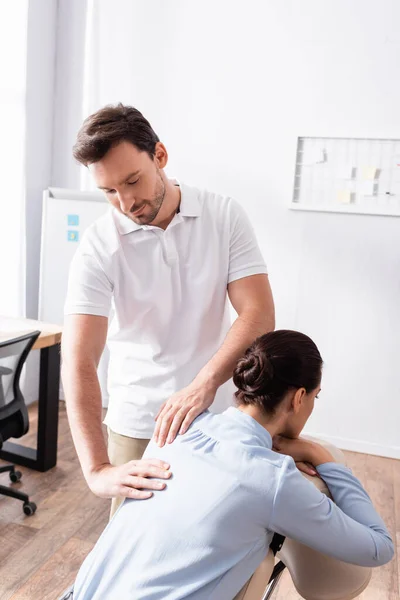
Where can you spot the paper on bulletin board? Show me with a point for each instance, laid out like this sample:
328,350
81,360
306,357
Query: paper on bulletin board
346,171
313,156
369,173
367,188
344,196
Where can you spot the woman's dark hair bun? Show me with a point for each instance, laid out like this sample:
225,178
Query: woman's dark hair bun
253,373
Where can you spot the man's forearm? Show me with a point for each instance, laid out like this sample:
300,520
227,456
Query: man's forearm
245,329
84,408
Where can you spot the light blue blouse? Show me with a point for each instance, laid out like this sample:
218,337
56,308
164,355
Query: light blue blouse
204,536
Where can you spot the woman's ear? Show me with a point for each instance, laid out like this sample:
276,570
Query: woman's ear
298,399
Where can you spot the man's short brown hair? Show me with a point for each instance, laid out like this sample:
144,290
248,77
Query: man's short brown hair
108,127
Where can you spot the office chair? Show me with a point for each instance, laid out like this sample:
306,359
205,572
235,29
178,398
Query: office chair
14,421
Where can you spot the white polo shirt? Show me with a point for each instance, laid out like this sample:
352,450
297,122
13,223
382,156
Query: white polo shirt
168,292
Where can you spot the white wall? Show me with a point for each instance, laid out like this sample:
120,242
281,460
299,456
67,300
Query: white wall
53,115
13,34
42,43
68,91
229,86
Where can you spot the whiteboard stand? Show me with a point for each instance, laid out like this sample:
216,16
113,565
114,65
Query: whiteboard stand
66,216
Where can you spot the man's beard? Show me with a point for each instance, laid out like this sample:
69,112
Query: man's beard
155,205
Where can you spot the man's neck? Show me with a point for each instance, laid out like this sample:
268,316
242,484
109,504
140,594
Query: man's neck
170,205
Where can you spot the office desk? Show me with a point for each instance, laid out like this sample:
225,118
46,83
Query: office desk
44,456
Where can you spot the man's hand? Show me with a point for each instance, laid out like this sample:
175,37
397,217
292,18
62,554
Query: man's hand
302,451
180,410
131,480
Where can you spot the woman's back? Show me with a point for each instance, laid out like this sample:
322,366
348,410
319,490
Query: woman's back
204,536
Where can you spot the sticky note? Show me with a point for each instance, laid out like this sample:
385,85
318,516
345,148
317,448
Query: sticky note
313,156
73,236
367,188
73,220
369,172
346,172
344,196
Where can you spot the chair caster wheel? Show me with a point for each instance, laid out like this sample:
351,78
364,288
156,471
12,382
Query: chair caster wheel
29,508
15,476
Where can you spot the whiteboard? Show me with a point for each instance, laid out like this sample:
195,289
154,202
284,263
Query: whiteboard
66,215
348,175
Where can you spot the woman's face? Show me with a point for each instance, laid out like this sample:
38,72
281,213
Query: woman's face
302,405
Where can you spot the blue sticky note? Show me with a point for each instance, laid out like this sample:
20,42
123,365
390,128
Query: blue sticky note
73,236
73,220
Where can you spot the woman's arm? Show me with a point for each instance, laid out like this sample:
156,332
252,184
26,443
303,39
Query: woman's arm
348,529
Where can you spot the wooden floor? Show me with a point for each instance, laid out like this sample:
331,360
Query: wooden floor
40,555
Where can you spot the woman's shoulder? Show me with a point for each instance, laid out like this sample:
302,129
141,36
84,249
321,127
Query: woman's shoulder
248,448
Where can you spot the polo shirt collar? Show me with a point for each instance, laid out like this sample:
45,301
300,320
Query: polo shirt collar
123,224
190,206
190,202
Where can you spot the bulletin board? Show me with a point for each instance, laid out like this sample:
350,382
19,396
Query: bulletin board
348,175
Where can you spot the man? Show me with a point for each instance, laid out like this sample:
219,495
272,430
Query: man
165,257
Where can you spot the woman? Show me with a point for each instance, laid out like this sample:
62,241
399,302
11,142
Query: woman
234,483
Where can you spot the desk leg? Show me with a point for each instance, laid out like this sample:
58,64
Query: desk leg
44,457
49,388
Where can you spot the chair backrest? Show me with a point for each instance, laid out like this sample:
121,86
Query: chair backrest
13,412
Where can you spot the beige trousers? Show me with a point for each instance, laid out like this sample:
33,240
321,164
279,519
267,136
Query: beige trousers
122,449
315,576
